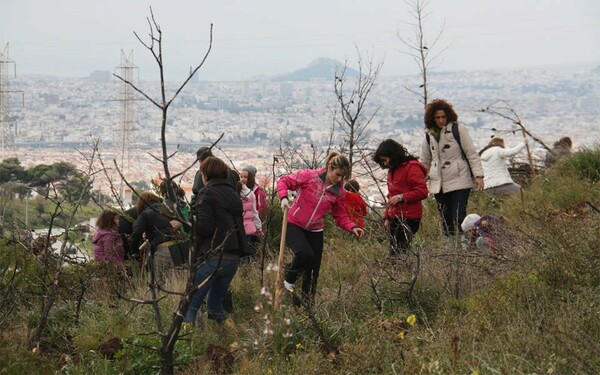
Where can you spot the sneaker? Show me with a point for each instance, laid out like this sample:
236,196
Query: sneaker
288,286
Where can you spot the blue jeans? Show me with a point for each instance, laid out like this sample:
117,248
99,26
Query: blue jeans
216,288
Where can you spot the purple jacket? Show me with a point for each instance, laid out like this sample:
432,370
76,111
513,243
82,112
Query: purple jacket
314,200
108,246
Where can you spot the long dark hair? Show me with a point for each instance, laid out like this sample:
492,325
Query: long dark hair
393,150
251,180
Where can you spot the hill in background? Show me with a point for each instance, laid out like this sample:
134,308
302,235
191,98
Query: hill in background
322,68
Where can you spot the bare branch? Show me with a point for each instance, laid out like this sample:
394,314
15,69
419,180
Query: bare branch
133,86
197,67
418,48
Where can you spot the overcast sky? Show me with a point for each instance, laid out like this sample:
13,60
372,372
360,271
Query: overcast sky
268,37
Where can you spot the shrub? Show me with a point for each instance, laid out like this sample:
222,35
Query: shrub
585,162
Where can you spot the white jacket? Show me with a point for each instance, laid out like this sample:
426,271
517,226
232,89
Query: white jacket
494,165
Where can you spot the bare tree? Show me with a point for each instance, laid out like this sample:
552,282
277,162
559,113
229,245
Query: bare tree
422,50
169,333
504,109
352,118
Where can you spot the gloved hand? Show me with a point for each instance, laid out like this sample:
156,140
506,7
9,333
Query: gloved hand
285,204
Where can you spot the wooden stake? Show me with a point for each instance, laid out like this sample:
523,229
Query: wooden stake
279,279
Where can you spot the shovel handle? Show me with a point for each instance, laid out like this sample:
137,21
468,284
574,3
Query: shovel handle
279,279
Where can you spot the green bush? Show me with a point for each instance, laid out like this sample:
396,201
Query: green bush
585,162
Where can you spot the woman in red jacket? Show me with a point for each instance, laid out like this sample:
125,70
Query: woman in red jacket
406,189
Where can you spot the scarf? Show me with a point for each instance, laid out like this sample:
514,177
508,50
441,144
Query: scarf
435,132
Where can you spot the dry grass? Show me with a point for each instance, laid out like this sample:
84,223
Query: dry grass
531,308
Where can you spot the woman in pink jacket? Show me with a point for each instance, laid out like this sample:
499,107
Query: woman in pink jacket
318,192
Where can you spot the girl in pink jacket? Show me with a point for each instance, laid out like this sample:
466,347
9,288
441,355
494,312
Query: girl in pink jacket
318,192
252,223
108,244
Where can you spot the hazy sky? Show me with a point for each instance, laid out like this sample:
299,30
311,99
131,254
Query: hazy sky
268,37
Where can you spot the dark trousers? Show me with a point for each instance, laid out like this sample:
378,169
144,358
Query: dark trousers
253,245
402,232
453,209
308,251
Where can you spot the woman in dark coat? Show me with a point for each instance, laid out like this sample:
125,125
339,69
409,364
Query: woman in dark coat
220,239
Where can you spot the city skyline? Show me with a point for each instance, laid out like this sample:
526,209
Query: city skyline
250,39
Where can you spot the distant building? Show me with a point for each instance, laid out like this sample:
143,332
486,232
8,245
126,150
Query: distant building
100,76
286,89
49,98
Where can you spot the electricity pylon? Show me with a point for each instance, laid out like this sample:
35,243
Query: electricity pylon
125,135
7,138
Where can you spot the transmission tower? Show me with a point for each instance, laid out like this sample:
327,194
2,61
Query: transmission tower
7,138
125,135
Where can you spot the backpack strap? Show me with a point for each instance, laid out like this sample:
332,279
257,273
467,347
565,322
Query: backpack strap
456,135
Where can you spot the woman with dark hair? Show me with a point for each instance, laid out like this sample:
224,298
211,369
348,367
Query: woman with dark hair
220,240
108,245
493,159
204,152
452,162
320,191
145,200
406,189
